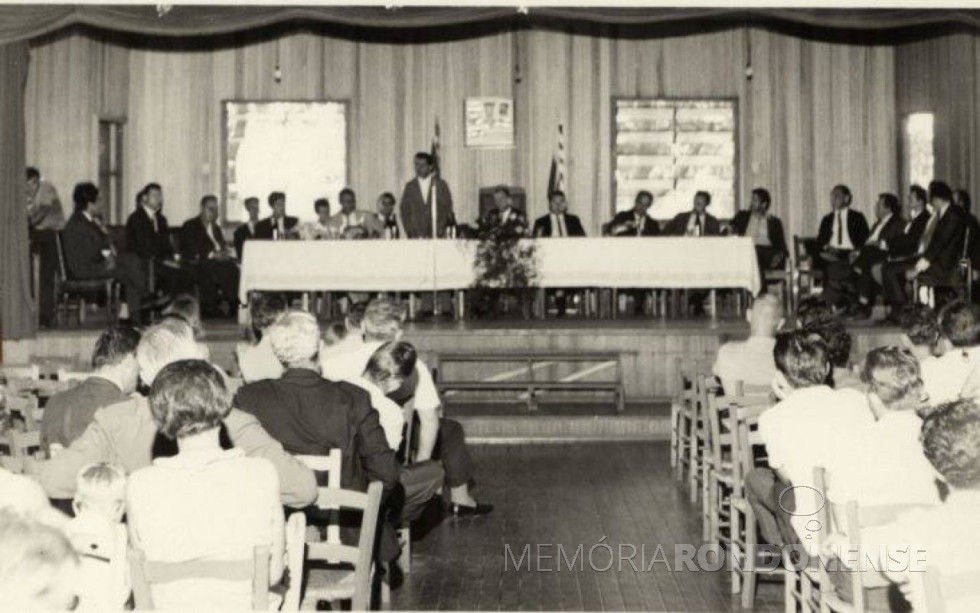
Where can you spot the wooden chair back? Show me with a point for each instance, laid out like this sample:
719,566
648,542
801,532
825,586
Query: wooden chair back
27,407
295,557
144,573
331,465
747,440
837,519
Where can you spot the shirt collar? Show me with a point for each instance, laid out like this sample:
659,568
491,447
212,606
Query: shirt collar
88,216
199,459
151,214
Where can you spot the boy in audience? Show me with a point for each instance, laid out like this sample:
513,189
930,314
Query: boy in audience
921,335
751,361
389,371
69,412
809,425
947,377
256,361
99,537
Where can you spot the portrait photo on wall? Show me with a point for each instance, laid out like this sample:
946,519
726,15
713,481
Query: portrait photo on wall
489,122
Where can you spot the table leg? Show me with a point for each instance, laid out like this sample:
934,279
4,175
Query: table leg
460,305
411,306
306,301
714,305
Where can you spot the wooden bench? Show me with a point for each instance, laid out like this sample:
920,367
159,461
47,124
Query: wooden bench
530,385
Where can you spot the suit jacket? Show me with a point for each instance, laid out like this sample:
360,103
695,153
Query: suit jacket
83,242
516,221
310,415
774,227
69,412
678,225
906,244
857,229
195,244
945,248
871,253
143,241
263,229
242,234
416,210
624,224
573,226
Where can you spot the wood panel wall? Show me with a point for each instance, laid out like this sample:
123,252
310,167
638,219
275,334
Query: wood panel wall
813,115
942,76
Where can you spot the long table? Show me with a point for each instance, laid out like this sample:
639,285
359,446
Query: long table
435,265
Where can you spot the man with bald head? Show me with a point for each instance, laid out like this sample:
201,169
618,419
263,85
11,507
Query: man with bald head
751,361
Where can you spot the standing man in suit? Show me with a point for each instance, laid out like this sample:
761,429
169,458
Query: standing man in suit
636,221
204,250
278,226
349,217
765,230
246,231
89,254
423,193
889,226
45,218
148,236
558,222
842,234
513,221
940,250
696,222
387,218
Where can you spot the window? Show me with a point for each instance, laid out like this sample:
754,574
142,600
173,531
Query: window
674,148
111,169
921,157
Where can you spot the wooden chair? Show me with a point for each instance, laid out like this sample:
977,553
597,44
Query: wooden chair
329,464
681,417
837,519
71,293
144,573
295,556
784,277
806,276
27,407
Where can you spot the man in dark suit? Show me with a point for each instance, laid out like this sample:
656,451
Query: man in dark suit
205,252
420,195
278,226
940,250
387,218
842,234
148,236
889,227
634,222
311,415
696,222
764,229
558,222
246,231
89,254
513,221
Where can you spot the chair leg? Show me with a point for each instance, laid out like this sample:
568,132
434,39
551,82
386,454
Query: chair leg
708,499
81,311
674,424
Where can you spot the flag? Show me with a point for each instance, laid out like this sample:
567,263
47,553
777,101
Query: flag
435,150
556,178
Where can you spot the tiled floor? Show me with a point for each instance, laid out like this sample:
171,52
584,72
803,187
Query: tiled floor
569,494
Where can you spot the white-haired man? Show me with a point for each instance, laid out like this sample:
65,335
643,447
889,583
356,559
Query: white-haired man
125,433
438,437
751,361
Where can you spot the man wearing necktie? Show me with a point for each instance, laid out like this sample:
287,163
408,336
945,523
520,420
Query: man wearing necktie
765,230
513,221
889,227
205,252
246,231
842,234
278,226
148,237
634,222
558,223
695,223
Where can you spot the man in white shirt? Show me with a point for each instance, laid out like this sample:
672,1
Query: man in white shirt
751,361
804,430
349,217
389,223
389,370
320,228
257,361
947,377
842,233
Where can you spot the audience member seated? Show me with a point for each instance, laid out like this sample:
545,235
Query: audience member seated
256,361
751,361
921,335
246,231
390,370
842,234
99,537
946,377
148,236
806,428
320,228
187,309
125,433
438,437
942,534
89,253
350,217
961,198
636,221
387,217
839,342
212,261
39,570
205,503
813,310
889,226
765,230
277,226
69,412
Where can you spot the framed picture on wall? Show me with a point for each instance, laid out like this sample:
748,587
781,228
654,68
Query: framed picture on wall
489,122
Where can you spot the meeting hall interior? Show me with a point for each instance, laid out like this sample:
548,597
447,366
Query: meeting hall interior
540,307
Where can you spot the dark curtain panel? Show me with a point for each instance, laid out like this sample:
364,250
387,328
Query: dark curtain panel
16,305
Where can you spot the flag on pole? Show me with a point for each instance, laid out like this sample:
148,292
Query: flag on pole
556,178
435,149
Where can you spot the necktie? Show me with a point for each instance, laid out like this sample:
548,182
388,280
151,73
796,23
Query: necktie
840,229
561,227
639,226
697,225
927,234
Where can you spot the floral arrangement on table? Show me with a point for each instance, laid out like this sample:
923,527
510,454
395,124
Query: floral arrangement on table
506,270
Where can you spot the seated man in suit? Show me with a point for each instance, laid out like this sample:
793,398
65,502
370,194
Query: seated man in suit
842,234
888,227
350,217
89,254
558,223
204,250
696,222
277,226
765,230
939,254
246,231
320,228
148,236
634,222
513,221
387,218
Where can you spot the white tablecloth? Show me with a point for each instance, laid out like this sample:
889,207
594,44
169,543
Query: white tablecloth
427,265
